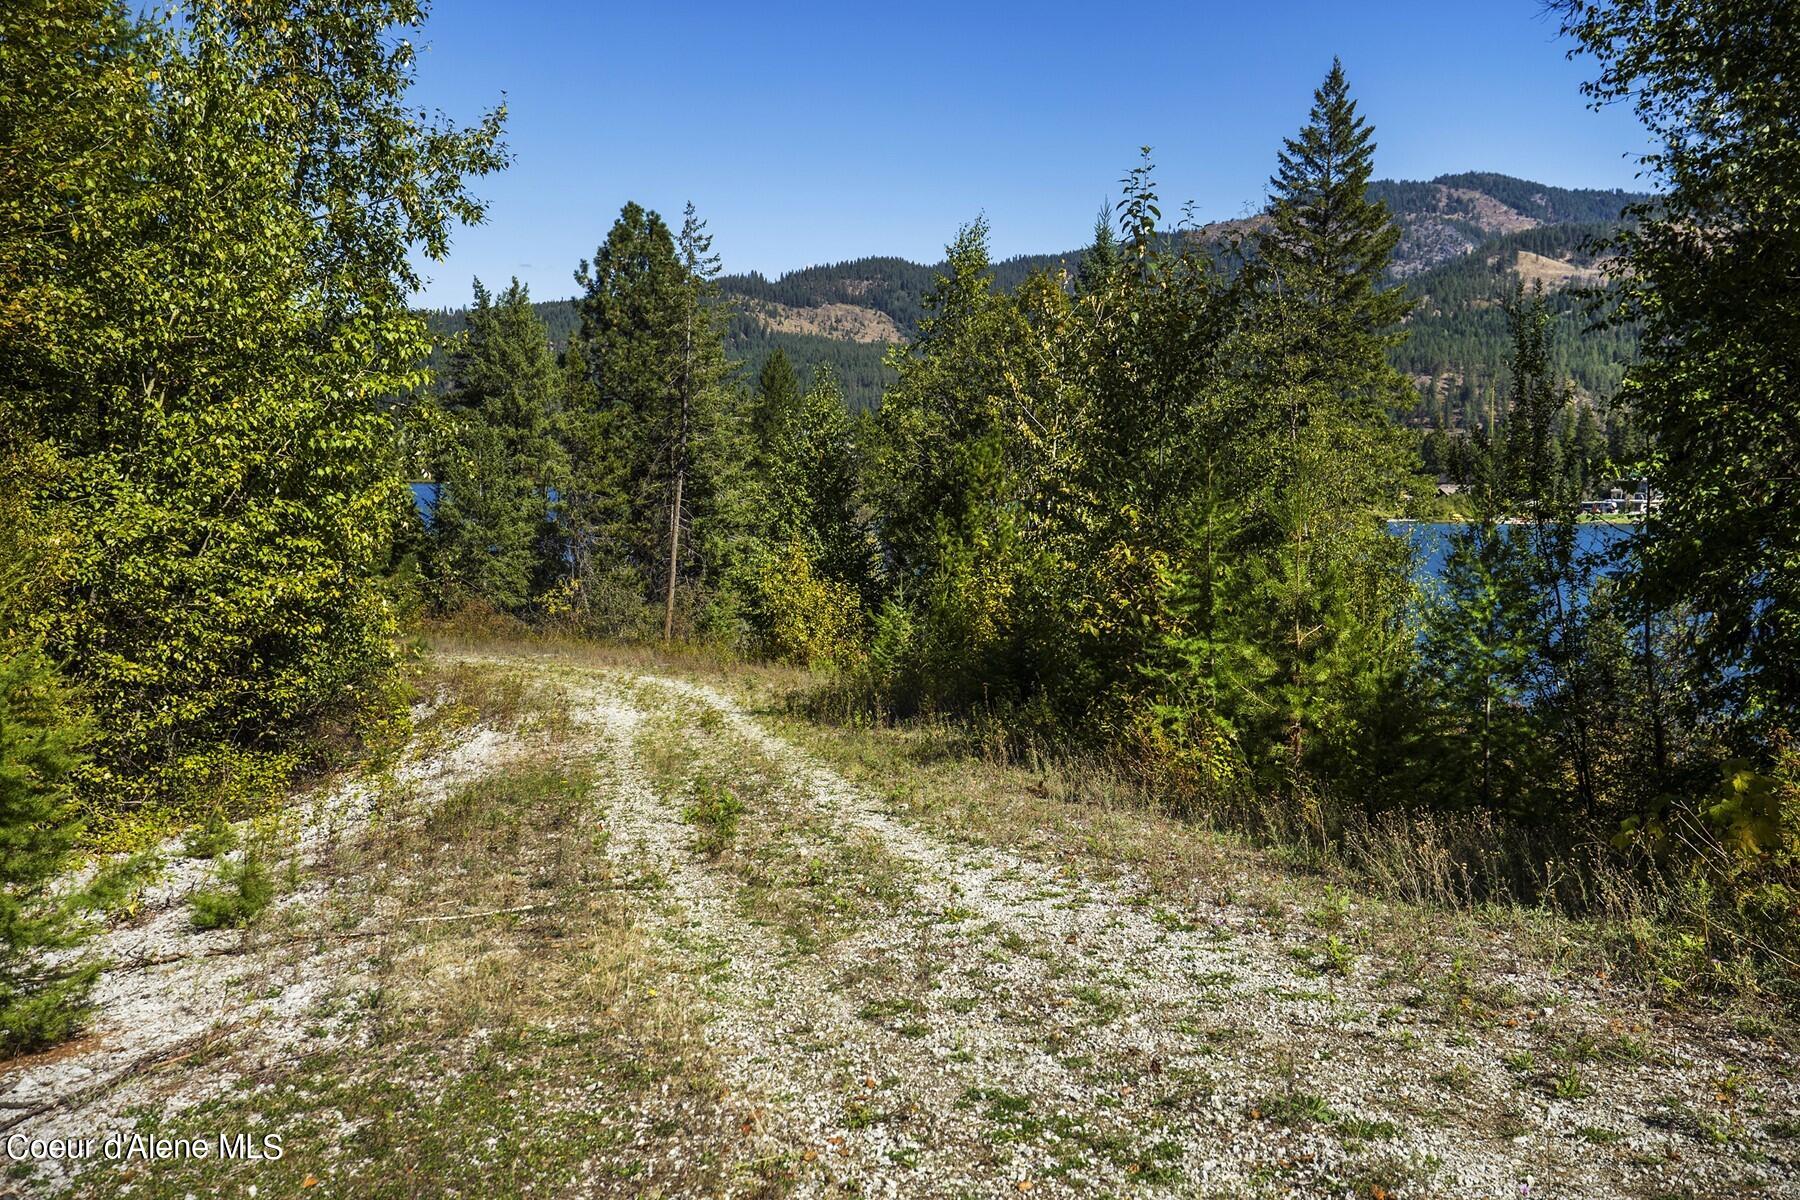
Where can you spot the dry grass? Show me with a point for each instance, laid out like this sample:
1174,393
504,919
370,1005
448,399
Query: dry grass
846,322
1435,896
1554,273
691,660
513,1030
793,871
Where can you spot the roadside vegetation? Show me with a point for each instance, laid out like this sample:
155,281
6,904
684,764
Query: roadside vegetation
530,956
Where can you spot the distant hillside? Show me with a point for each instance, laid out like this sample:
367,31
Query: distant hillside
1464,237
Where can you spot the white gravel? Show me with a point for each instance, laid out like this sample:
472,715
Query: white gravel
1123,1031
175,992
995,1024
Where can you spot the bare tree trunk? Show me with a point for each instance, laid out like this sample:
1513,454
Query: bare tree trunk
674,556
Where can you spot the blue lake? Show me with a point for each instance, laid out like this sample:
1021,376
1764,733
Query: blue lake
1433,541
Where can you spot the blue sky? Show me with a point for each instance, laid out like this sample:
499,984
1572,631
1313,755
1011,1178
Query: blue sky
812,133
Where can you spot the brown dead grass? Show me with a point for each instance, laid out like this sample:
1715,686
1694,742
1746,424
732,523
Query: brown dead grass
763,682
1553,273
1486,213
844,322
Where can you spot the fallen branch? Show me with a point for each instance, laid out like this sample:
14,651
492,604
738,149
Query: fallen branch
153,1061
492,912
244,947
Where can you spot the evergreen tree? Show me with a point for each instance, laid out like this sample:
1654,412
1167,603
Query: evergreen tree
1330,461
604,589
1480,661
777,395
658,422
814,459
631,320
40,741
940,409
1533,477
1515,658
1563,577
1325,250
1102,257
492,534
42,989
700,395
810,570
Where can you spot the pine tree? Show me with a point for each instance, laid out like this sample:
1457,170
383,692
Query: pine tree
602,589
1563,577
1517,658
491,536
1102,257
777,395
1480,668
698,381
941,406
809,573
628,340
822,502
1330,458
657,417
1533,478
1326,248
40,740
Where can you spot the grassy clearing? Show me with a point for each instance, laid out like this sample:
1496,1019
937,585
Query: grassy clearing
453,695
767,682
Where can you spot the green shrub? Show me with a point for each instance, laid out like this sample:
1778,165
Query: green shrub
802,616
714,812
214,837
244,889
190,346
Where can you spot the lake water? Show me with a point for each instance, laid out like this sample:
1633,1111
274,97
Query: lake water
1433,541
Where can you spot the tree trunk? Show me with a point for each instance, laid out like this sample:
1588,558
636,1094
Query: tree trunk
674,553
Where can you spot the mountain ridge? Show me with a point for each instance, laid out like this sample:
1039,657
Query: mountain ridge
1464,236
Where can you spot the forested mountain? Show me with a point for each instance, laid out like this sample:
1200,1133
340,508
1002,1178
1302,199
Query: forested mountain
1462,237
1458,346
